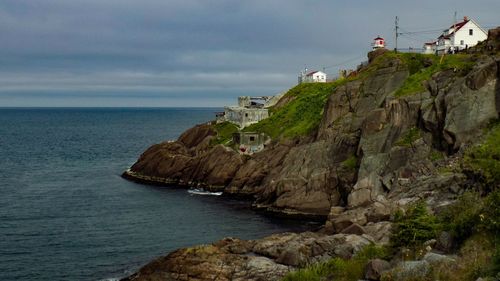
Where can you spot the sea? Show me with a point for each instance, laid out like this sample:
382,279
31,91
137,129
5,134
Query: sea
66,214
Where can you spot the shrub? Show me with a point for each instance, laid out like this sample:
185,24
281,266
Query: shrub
414,227
484,159
462,217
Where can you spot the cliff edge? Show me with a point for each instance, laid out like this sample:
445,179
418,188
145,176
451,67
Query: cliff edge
404,129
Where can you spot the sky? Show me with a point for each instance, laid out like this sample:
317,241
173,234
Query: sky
197,53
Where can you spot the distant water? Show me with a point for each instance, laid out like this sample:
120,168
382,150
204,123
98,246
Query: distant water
65,212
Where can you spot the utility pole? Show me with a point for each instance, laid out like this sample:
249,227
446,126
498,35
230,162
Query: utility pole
396,23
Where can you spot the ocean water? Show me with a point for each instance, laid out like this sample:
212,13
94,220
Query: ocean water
65,212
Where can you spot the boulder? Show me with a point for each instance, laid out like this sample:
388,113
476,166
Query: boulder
435,259
374,269
409,270
353,229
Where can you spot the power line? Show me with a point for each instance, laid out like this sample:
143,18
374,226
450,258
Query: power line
344,62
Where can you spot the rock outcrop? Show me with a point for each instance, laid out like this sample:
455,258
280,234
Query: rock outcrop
266,259
374,152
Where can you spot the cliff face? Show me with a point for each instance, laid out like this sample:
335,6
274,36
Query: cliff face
393,136
370,144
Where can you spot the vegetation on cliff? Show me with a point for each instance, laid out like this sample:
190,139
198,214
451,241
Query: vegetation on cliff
225,131
473,222
301,115
421,68
484,159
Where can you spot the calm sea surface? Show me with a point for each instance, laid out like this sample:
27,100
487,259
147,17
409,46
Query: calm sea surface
65,212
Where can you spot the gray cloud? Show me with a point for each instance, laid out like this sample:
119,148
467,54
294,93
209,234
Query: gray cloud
193,52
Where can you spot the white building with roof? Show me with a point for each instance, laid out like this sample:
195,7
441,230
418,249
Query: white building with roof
459,36
312,77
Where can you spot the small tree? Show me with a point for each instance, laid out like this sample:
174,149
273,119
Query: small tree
414,227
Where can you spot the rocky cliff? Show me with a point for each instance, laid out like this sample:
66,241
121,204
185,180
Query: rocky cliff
391,136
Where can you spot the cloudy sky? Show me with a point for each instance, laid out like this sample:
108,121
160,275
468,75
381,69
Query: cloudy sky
196,52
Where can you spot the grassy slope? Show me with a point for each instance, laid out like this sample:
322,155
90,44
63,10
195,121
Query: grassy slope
422,67
301,115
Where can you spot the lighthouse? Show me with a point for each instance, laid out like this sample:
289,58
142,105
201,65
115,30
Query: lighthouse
378,43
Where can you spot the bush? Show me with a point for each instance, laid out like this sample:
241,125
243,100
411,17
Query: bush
414,227
462,217
484,159
472,214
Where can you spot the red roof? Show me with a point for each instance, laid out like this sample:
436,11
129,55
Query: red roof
379,38
459,25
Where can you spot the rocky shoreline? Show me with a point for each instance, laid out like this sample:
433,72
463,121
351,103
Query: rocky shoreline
375,152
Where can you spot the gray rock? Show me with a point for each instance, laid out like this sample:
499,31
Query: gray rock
434,258
353,229
444,242
411,270
374,269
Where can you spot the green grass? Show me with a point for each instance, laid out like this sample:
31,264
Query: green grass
351,163
409,137
300,116
225,132
484,159
339,269
421,67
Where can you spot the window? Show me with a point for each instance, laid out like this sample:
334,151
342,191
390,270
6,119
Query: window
462,42
471,32
252,138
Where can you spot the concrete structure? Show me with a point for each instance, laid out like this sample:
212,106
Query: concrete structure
243,116
378,43
459,36
250,142
250,110
312,77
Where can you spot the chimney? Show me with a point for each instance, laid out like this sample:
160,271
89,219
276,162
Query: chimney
466,18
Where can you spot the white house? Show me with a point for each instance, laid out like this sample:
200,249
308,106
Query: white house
459,36
312,77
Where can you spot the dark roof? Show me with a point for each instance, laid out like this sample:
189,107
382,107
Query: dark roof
311,73
457,28
379,38
459,25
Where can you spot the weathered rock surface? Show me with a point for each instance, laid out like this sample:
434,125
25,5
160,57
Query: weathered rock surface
398,145
269,258
375,268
